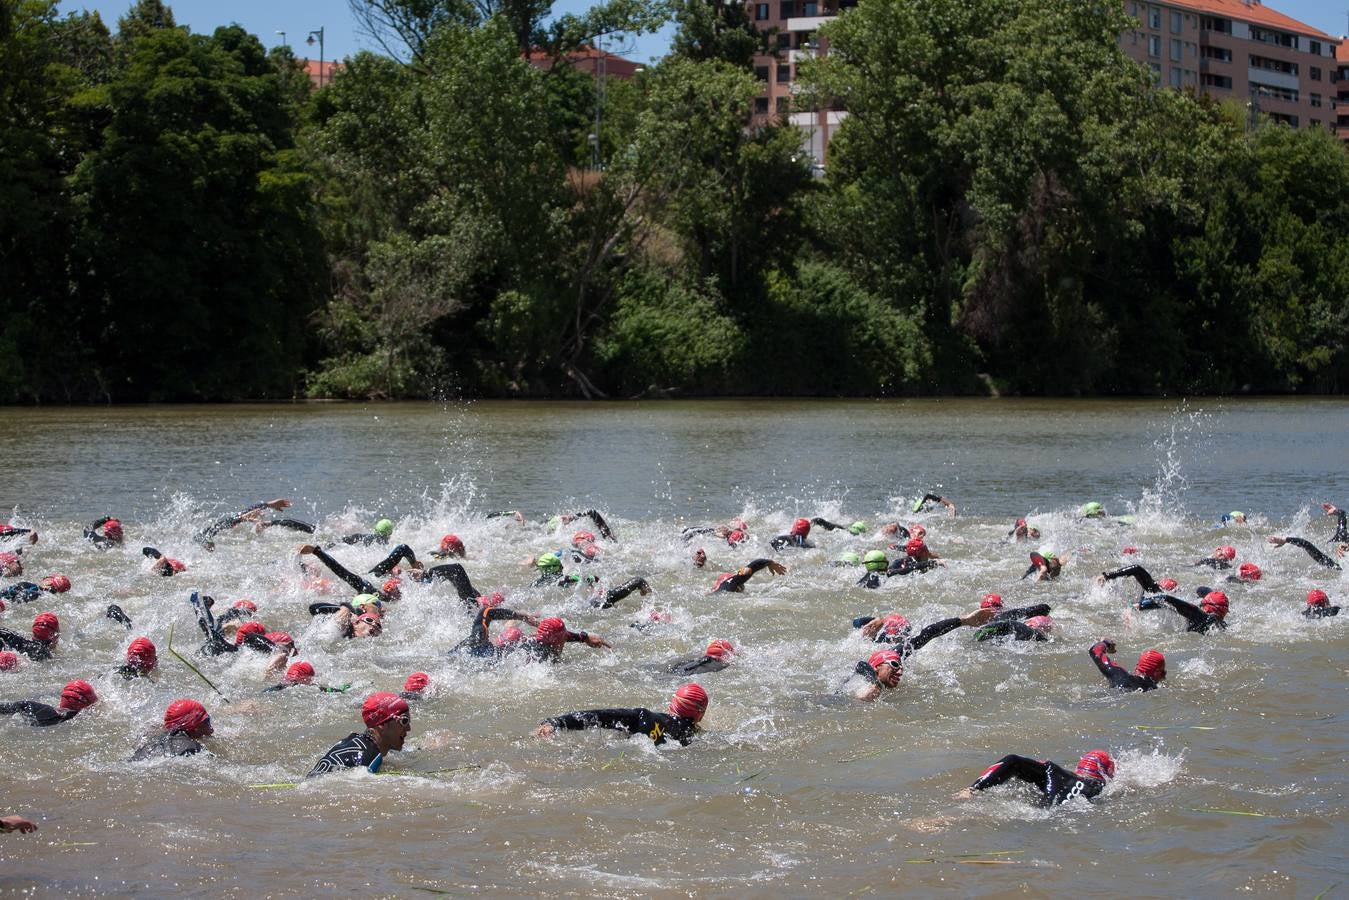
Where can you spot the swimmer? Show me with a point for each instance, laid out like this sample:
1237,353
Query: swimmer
796,537
1045,565
877,567
111,534
736,527
206,536
917,558
161,564
1055,783
716,657
361,586
607,599
186,725
919,504
884,668
1023,532
75,696
451,547
46,635
679,723
1317,556
1236,517
141,659
479,641
301,674
11,566
1034,628
383,529
734,582
27,591
1147,675
1210,612
593,515
552,635
14,532
1220,558
699,558
1341,535
416,687
1137,573
1318,605
1092,510
388,722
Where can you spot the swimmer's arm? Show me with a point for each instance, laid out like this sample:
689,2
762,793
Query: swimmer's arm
1138,573
614,595
629,720
827,525
355,581
1313,551
1098,655
1023,612
598,519
1193,614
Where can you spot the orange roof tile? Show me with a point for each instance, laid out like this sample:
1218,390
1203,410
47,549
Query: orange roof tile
1254,12
1342,50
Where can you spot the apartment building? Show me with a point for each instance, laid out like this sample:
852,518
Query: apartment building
1341,82
1239,49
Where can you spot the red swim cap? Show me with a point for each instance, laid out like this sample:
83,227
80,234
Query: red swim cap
9,660
722,579
300,673
280,638
915,547
719,649
884,657
380,707
552,632
1129,551
1317,597
177,565
450,543
46,626
1097,764
1168,584
894,623
582,537
991,601
141,655
10,559
1214,603
689,702
248,628
417,681
246,604
78,695
735,537
1151,664
1227,553
112,529
391,589
800,528
918,531
1248,571
1020,523
510,635
59,584
1040,623
590,551
487,601
186,716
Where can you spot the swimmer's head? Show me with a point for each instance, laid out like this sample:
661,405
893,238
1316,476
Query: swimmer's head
1215,604
719,649
112,530
850,558
875,561
249,628
1317,597
1248,571
858,528
9,660
46,627
1168,584
991,601
187,717
549,563
78,695
417,682
887,666
451,545
384,528
1097,764
300,673
1092,510
1042,624
1151,664
800,528
142,656
1225,553
689,702
552,632
57,584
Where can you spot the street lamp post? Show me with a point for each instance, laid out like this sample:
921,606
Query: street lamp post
283,38
310,42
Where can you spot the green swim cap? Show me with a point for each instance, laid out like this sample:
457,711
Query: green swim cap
1236,514
383,528
549,561
850,558
1092,509
361,600
554,523
918,505
1046,552
858,527
875,561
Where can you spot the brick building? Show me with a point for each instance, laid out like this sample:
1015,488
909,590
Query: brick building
1341,83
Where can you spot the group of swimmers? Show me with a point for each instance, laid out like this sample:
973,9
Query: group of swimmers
387,715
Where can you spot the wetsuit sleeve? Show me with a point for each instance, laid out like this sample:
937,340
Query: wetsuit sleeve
1341,534
930,633
996,629
34,712
598,519
360,584
1022,612
1193,614
614,595
746,572
1314,552
10,531
780,541
456,575
1137,573
292,524
827,525
1013,766
503,512
1320,612
629,720
901,531
401,553
29,647
117,614
1213,563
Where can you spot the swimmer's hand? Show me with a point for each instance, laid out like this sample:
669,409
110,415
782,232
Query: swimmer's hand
1100,580
17,823
1330,508
1276,540
1109,645
594,640
870,629
544,730
308,549
278,503
966,794
776,568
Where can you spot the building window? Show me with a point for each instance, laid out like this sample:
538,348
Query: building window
1175,49
1154,17
786,9
1223,82
1273,65
1221,54
1277,38
810,8
1216,23
1175,77
1154,46
1175,22
783,105
1314,72
761,105
784,73
1314,48
761,73
1156,70
761,12
784,43
1316,100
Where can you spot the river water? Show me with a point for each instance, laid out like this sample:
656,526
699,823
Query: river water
1231,777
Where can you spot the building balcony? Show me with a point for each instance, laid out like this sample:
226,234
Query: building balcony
808,23
1273,79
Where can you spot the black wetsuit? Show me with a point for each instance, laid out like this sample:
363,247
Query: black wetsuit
174,743
224,523
1199,621
117,614
359,584
696,665
100,541
928,498
905,641
216,642
11,531
356,750
292,524
1018,631
872,580
1056,783
614,595
827,525
736,583
798,541
1314,552
1137,573
479,640
600,524
401,553
21,592
1341,534
1214,563
364,540
1118,678
660,727
907,565
30,647
1320,612
37,713
321,688
163,568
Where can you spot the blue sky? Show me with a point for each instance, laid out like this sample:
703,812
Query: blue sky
297,17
